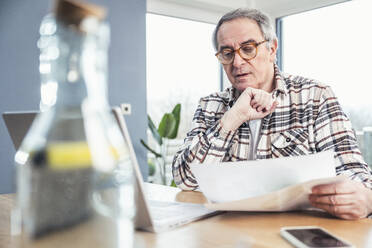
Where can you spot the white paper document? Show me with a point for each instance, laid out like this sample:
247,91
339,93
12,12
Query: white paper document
278,184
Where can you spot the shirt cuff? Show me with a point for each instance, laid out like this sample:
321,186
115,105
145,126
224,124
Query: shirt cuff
218,140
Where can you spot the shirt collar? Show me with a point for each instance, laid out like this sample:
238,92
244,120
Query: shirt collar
233,95
280,86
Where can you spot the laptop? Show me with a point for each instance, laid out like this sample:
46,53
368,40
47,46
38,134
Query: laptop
18,124
153,216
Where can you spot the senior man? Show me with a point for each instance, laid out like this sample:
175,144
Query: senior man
268,114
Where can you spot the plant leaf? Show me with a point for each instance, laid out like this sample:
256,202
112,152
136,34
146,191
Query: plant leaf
152,167
177,111
150,150
173,184
167,125
154,131
177,115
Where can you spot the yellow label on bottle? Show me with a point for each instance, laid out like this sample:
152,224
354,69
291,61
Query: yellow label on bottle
72,155
68,155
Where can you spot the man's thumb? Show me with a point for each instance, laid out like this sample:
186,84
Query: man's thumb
273,107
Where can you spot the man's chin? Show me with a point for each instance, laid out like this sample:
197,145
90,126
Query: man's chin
241,86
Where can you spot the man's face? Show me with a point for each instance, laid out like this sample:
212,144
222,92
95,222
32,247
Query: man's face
257,72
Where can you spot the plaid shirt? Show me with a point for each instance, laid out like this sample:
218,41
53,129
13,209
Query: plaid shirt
307,120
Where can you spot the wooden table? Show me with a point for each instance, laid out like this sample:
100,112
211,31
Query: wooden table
233,229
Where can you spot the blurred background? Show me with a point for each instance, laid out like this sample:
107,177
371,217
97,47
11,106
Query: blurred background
161,54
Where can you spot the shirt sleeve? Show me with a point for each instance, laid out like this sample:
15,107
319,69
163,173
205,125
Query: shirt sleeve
333,130
207,142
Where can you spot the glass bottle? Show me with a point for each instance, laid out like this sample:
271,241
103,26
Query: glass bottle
74,158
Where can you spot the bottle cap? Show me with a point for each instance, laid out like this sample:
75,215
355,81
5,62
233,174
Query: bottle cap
73,12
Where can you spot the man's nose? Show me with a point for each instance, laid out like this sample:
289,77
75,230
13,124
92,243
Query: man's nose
238,60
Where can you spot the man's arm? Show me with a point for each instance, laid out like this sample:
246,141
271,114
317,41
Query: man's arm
351,198
206,142
210,143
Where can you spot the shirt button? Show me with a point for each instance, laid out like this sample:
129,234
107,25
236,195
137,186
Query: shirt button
216,134
288,140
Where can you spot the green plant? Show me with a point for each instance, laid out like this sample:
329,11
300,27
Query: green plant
167,129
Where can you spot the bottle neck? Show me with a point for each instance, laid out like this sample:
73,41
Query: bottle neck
78,66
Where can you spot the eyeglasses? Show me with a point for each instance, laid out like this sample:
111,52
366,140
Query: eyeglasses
247,51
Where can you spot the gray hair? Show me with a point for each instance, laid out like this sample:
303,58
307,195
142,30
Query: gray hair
263,21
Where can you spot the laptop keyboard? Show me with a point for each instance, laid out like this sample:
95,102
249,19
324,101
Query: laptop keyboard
161,211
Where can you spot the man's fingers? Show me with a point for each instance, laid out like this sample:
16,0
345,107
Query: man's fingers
273,107
345,199
349,211
333,209
342,187
257,98
254,105
262,103
341,199
348,216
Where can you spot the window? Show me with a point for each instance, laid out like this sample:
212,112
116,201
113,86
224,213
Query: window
181,66
331,45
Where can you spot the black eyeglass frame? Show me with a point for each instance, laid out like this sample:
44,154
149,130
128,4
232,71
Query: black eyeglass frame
255,44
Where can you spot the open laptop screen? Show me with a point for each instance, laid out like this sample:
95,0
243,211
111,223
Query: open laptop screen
18,123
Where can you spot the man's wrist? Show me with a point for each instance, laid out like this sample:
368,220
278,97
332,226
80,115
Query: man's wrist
230,121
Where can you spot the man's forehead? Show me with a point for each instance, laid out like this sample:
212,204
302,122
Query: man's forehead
238,31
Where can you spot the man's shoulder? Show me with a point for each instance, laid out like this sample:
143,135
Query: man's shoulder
296,83
220,96
299,82
216,102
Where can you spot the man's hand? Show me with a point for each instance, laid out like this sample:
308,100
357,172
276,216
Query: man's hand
252,104
345,199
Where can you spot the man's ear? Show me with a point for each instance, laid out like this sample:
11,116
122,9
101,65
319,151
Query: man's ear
273,49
